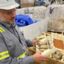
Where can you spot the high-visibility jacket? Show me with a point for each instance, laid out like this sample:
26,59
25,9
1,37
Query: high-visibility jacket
13,47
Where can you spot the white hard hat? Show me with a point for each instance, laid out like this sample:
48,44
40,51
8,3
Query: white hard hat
8,4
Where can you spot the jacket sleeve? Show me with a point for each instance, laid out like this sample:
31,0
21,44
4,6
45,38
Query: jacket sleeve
27,41
5,57
21,36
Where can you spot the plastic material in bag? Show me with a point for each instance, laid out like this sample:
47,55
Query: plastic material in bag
23,20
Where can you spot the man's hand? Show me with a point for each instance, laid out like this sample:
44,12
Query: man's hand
39,58
34,42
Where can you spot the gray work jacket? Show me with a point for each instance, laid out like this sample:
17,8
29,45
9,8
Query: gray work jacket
13,47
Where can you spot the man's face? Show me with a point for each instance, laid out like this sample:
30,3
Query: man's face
8,15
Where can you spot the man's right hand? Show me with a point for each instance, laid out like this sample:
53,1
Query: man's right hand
39,58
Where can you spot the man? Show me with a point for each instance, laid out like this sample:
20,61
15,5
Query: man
12,44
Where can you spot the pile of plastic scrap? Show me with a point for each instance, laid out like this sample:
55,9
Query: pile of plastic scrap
23,20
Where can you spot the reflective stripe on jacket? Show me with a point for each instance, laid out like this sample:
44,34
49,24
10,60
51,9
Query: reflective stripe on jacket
4,55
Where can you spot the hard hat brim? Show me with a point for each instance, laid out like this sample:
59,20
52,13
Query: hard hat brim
11,6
